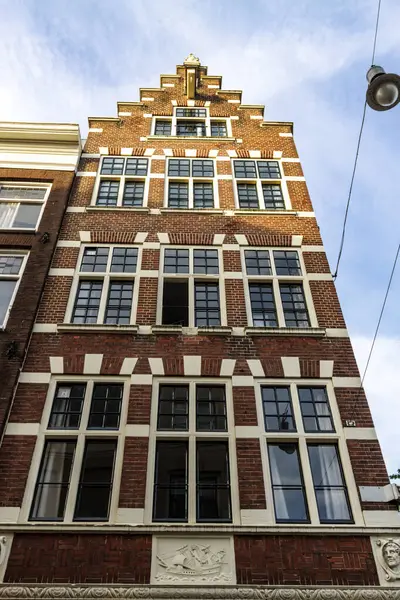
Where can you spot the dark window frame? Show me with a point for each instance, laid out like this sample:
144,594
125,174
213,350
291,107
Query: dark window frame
263,287
54,414
174,415
313,403
163,127
292,309
257,256
278,415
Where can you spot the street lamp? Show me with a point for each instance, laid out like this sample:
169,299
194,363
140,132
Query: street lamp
383,90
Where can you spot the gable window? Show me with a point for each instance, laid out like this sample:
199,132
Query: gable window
315,409
122,182
191,288
191,183
12,266
192,470
104,286
191,122
21,205
76,474
277,289
259,185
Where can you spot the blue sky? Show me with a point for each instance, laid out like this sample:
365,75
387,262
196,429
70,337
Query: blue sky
306,61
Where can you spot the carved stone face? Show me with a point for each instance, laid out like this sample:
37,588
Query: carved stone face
391,555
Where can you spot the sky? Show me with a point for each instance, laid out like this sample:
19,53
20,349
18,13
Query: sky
305,60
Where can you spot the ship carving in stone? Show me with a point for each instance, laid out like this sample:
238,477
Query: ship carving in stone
192,561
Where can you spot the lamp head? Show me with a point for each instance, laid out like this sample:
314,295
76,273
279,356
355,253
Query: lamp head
383,90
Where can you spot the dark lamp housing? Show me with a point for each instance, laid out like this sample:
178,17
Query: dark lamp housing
383,90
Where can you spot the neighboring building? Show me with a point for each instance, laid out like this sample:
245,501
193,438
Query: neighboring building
189,416
37,165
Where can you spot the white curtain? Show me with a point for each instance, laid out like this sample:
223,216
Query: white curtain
326,472
7,212
55,469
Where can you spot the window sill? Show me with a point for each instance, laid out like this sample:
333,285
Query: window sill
199,211
279,331
263,211
108,208
18,230
192,138
72,327
180,330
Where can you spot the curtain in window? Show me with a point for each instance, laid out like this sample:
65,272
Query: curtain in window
7,212
328,483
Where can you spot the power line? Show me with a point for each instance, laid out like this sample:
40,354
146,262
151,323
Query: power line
357,153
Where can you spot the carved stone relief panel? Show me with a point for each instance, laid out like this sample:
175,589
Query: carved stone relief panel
5,547
386,551
193,560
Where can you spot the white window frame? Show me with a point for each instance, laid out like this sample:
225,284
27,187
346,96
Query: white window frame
191,436
106,277
80,435
207,120
258,181
42,202
17,278
190,181
276,280
122,180
302,438
192,277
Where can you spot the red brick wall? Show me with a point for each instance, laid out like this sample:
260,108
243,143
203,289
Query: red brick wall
250,474
79,558
15,459
133,481
299,560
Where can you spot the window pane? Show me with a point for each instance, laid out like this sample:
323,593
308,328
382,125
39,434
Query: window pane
247,194
27,216
191,128
202,168
67,406
205,261
245,168
175,303
108,193
287,262
6,293
170,482
178,167
119,302
258,262
162,127
314,402
210,408
203,195
173,407
176,261
106,406
268,169
277,406
95,483
87,302
262,305
213,484
287,483
191,112
133,193
136,166
94,260
178,194
10,265
206,300
112,165
329,485
273,198
124,260
7,213
53,481
22,193
218,129
294,305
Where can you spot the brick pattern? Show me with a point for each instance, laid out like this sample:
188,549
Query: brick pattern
316,262
139,404
28,403
326,303
232,261
244,405
133,482
367,462
291,169
235,306
353,405
300,560
251,481
15,459
79,558
150,260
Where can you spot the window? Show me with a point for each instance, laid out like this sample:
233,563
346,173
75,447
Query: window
57,495
315,409
122,182
191,183
189,467
191,122
105,286
277,409
287,484
259,184
11,269
277,296
330,489
21,205
190,288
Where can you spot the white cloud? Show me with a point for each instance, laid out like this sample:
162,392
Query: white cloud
382,386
